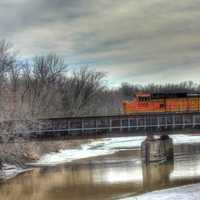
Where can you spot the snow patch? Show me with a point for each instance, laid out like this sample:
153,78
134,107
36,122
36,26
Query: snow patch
190,192
64,156
125,143
104,147
9,171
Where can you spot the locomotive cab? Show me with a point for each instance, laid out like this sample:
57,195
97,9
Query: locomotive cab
143,97
162,102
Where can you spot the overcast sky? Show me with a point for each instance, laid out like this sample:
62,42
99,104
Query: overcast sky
137,41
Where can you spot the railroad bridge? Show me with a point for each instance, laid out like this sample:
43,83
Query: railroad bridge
153,149
141,123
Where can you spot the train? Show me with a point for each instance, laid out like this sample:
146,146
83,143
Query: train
144,102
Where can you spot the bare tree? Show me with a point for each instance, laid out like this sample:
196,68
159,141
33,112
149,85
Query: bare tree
80,90
7,62
46,69
40,80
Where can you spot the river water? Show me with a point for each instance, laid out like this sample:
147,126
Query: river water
105,169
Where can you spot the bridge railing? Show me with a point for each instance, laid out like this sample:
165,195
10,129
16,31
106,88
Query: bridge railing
115,124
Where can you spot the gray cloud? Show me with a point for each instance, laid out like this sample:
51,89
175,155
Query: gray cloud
138,41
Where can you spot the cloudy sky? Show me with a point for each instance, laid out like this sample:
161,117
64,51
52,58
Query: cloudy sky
137,41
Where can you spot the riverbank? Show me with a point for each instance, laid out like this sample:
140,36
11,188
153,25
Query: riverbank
24,154
23,151
16,155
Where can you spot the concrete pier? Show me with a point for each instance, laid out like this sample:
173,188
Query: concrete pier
157,149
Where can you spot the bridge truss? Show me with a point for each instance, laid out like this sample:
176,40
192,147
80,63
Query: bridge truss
118,124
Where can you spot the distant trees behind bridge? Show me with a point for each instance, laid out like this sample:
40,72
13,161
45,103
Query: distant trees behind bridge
127,90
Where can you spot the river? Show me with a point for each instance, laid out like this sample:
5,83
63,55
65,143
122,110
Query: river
104,169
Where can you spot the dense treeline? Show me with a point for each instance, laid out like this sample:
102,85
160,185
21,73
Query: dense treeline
46,87
127,90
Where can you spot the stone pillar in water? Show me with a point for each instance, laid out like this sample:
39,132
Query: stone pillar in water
157,149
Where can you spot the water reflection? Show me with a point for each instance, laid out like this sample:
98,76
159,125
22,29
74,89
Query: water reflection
156,176
187,163
99,179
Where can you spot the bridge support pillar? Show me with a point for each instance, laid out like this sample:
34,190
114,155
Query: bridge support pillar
157,149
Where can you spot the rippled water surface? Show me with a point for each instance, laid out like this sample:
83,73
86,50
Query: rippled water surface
104,169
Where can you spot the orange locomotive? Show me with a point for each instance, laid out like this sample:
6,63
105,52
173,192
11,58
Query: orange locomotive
162,102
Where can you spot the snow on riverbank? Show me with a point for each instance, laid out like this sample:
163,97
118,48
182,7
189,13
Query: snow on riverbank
9,171
105,147
64,156
189,192
96,148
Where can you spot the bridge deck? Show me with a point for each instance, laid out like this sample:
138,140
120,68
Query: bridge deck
143,122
